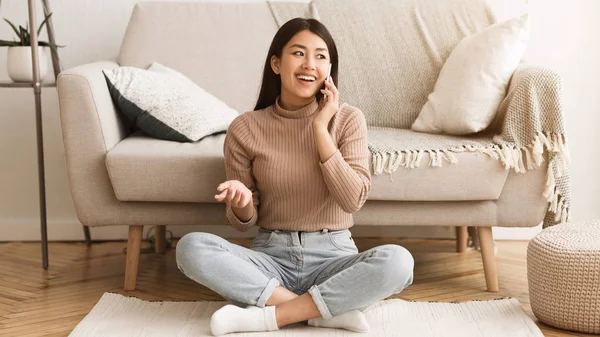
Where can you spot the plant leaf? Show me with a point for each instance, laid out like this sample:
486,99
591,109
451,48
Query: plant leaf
53,47
26,39
48,44
13,26
4,43
43,23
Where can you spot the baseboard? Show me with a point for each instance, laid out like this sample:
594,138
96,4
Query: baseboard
72,230
507,233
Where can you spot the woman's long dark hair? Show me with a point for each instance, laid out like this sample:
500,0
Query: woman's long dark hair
271,82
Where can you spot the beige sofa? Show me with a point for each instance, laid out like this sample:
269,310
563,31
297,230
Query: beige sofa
120,178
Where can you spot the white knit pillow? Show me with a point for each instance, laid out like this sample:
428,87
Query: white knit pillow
167,105
474,79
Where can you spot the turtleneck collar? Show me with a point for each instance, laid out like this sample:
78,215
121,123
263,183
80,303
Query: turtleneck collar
303,112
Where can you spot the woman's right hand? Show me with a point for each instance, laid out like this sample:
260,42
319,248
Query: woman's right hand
234,193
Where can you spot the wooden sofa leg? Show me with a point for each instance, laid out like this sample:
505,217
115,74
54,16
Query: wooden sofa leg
489,259
134,243
160,243
461,239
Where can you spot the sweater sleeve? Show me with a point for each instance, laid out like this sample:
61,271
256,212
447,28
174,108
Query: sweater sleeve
346,172
238,166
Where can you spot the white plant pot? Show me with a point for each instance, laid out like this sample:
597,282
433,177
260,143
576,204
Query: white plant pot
20,66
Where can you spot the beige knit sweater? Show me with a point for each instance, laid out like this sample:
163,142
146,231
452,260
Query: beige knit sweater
274,153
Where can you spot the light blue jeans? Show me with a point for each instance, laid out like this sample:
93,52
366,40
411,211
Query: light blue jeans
325,263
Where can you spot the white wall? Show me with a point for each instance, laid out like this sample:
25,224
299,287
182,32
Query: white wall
565,37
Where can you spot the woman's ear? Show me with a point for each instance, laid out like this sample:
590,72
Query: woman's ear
275,64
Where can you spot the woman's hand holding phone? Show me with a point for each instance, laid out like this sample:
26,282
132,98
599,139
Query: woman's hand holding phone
329,105
234,193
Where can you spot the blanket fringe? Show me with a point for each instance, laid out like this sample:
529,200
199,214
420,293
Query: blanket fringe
520,159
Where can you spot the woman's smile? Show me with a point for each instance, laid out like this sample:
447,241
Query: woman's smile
305,81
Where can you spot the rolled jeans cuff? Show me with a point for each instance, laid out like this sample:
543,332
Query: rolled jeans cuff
318,299
267,292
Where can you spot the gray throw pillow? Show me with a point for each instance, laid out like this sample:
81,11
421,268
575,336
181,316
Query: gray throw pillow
167,105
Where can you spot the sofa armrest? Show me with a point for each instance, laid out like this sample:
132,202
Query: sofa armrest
533,102
85,102
90,128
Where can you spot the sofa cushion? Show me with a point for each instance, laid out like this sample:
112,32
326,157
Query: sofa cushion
166,104
476,176
147,169
142,168
474,79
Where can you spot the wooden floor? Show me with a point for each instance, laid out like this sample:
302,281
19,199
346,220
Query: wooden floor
34,302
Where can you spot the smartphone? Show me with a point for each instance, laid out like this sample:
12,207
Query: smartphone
328,78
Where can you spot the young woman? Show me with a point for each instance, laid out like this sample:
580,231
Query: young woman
305,159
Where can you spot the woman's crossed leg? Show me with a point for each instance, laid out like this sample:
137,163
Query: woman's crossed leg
253,278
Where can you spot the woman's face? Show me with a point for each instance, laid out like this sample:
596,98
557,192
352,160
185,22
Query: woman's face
302,68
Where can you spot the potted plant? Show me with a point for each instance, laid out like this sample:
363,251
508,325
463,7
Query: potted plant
19,64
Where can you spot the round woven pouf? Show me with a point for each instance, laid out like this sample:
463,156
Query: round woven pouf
563,271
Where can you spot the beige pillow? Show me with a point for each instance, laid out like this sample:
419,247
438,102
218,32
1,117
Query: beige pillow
474,79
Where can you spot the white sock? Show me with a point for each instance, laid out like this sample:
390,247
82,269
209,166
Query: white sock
231,318
351,320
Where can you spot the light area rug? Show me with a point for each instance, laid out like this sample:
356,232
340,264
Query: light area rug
117,315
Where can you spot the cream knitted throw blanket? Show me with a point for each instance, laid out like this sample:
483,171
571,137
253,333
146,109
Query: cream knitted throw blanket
412,38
